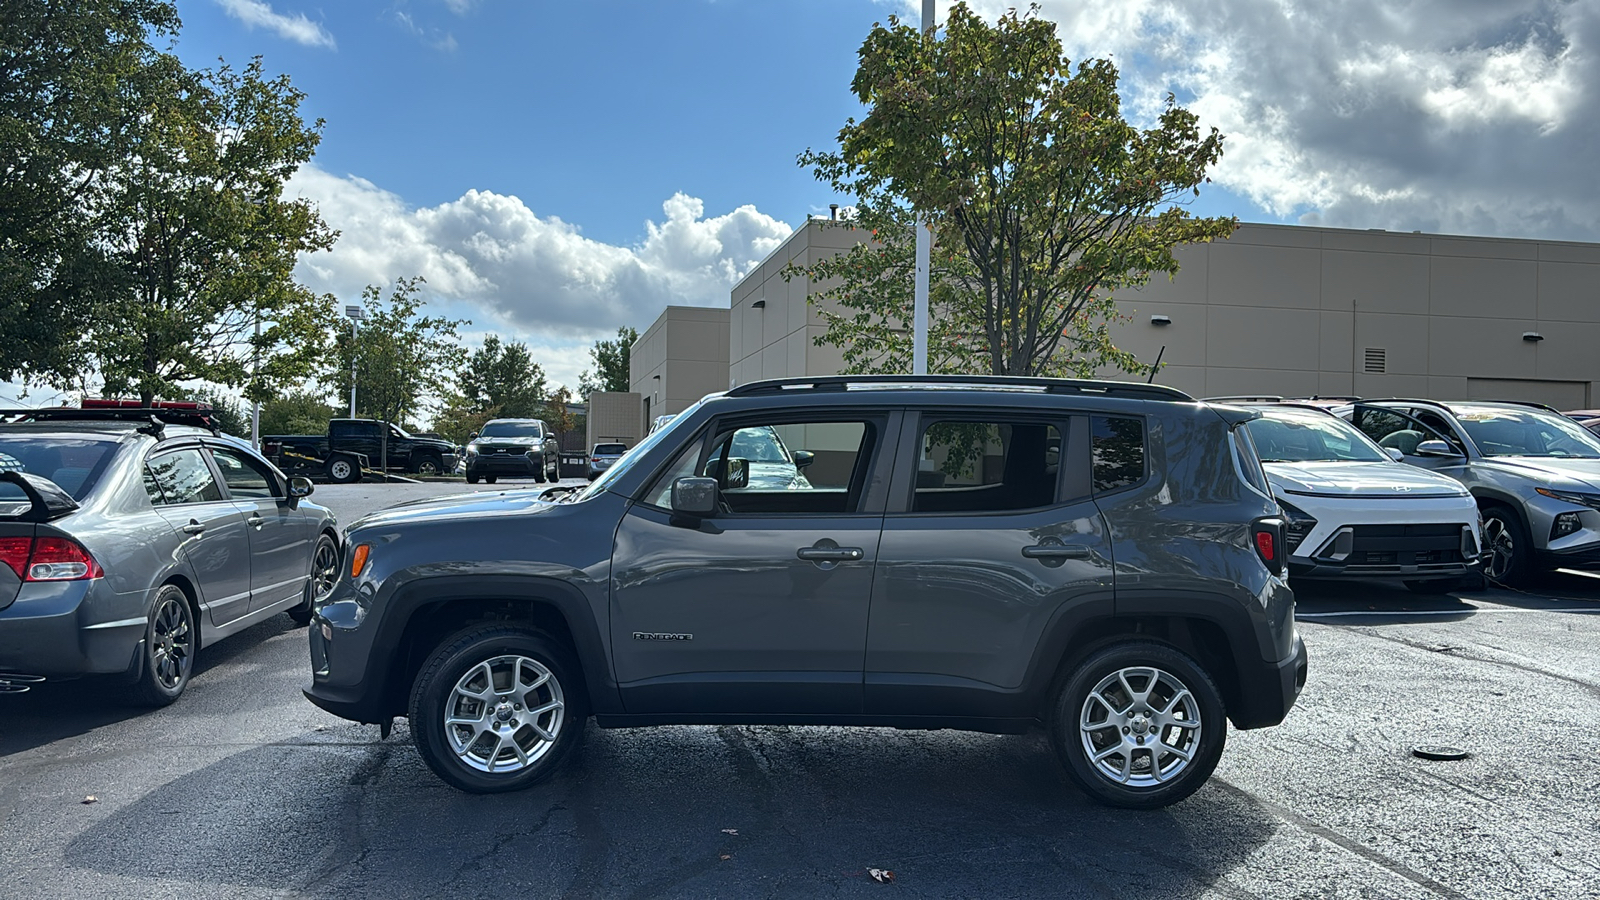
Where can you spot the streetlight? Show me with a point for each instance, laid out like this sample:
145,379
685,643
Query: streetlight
355,314
919,285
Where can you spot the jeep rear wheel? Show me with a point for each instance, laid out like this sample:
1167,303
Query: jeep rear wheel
496,708
1138,725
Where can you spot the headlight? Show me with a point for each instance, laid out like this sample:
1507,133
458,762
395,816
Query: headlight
1581,499
472,451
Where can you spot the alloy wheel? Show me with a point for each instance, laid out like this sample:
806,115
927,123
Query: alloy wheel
504,714
324,570
171,642
1140,727
1502,543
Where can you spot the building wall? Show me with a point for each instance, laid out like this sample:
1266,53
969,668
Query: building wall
680,358
1291,310
614,416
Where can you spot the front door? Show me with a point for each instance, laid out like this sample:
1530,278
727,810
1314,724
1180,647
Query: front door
186,494
990,531
763,607
280,544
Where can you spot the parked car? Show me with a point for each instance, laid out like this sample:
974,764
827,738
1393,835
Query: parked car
602,457
660,422
1588,418
130,541
1534,473
1125,593
1353,511
352,445
513,447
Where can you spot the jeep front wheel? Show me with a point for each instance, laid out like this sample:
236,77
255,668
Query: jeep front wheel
496,708
1138,725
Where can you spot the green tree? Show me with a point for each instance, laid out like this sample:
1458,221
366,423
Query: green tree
401,356
610,360
206,243
556,414
231,416
1043,199
501,379
75,81
297,412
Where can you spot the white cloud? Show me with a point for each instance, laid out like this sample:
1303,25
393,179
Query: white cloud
297,28
461,7
1474,116
529,277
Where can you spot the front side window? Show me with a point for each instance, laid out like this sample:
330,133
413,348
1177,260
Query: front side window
986,466
246,478
1395,430
184,477
1118,450
790,467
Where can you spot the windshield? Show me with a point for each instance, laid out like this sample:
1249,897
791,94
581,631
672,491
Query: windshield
621,466
1291,435
510,430
1526,432
759,445
74,464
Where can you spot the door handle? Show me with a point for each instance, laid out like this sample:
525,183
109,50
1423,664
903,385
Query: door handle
829,554
255,521
1055,551
194,528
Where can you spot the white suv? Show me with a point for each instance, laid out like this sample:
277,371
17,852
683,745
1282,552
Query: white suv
1353,511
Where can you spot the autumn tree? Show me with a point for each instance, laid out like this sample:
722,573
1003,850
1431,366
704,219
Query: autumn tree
1044,201
610,360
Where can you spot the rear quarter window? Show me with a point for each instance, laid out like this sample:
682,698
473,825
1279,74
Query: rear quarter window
1119,452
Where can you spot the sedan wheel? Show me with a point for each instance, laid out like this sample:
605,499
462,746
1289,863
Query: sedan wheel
495,710
324,575
170,643
1139,725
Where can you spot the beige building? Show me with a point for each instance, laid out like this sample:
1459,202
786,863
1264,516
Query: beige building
680,358
1283,309
614,417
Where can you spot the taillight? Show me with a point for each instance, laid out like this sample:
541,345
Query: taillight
1267,535
14,553
48,559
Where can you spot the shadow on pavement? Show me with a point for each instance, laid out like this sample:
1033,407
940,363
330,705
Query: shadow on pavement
682,811
1371,603
54,710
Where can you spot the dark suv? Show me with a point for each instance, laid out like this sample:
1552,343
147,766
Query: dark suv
1101,560
513,447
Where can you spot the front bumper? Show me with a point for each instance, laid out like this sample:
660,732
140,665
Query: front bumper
505,464
1413,552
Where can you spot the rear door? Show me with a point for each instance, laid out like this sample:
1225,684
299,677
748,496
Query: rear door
280,545
990,531
1401,429
761,609
186,494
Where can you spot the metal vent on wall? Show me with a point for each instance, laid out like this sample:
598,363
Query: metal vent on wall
1376,361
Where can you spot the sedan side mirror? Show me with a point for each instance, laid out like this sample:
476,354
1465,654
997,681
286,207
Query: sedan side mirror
299,487
696,497
1436,448
1396,454
803,458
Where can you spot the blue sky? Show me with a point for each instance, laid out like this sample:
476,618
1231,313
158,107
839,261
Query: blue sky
557,169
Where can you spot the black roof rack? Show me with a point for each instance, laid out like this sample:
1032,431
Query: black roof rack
154,420
1125,389
1245,398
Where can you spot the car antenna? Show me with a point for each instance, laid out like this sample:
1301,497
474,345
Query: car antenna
1156,367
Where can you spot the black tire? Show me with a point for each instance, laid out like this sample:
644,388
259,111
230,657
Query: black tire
1506,539
555,470
460,662
1139,784
170,641
324,575
428,464
538,475
490,478
343,470
472,477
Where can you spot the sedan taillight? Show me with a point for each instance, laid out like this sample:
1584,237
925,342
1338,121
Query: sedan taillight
49,559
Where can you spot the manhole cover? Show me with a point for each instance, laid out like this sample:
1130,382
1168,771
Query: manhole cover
1440,753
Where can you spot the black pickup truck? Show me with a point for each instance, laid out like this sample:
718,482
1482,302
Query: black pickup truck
352,445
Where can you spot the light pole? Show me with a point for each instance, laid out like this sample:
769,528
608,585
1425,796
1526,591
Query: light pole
355,314
919,314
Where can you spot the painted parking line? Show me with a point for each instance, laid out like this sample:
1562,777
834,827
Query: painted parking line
1471,608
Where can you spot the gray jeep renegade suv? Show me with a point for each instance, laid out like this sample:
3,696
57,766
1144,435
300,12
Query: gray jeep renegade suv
1098,559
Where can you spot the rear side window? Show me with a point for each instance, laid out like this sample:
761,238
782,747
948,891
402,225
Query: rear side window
183,477
1119,456
994,466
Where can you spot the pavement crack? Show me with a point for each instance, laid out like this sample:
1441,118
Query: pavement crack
1463,653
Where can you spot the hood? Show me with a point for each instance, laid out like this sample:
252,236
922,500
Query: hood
1360,479
1551,469
457,507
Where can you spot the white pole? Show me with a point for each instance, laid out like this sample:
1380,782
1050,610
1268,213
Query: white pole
919,317
353,322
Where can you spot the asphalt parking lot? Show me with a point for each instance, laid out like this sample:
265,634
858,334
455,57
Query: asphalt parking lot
244,789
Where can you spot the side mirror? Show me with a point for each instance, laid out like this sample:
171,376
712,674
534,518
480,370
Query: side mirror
695,497
1395,454
803,458
1436,448
300,486
472,437
732,474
